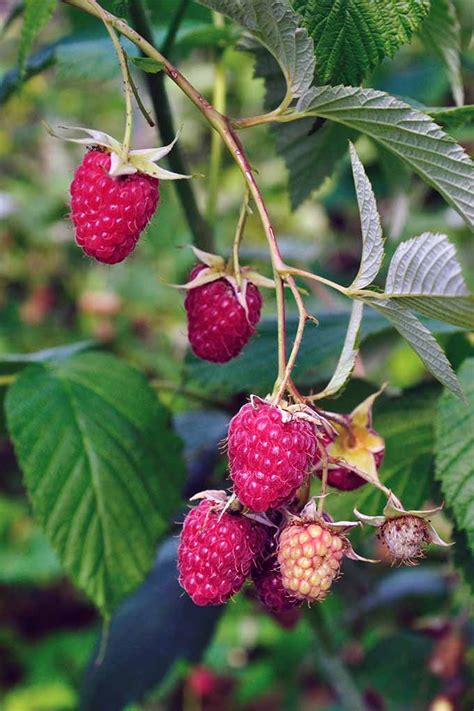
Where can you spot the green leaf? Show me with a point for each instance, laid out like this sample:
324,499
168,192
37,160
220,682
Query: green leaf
101,466
351,37
452,117
372,242
405,131
346,362
151,66
274,24
421,340
407,465
454,449
310,155
36,16
441,32
425,275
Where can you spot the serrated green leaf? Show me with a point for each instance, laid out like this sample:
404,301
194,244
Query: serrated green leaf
405,131
372,242
274,24
351,37
454,448
441,32
310,155
151,66
36,15
452,117
101,466
311,152
407,465
421,340
425,275
346,362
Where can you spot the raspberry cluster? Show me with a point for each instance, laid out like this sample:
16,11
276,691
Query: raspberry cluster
272,453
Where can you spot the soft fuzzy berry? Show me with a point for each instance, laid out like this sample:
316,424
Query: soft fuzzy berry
218,325
109,213
216,552
270,591
404,537
268,457
310,558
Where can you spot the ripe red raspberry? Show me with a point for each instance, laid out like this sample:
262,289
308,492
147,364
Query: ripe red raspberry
310,558
270,591
216,552
218,326
404,538
109,213
268,457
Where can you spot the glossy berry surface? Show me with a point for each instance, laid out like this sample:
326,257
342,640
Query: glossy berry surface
268,457
310,557
109,213
404,537
270,591
216,553
218,326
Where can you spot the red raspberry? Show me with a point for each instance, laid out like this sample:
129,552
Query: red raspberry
269,586
268,458
218,327
310,558
109,213
216,553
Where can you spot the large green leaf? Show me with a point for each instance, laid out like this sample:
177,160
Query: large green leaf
455,452
421,340
102,468
405,131
36,16
351,37
406,423
274,24
372,242
425,275
441,32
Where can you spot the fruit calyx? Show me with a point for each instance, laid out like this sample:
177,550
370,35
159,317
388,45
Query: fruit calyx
404,533
123,162
356,451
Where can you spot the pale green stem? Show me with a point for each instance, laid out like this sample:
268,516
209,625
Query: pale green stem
219,103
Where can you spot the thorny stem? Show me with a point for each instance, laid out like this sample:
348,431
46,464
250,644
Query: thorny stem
138,99
219,102
127,136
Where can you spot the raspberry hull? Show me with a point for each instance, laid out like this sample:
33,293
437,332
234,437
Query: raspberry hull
310,559
216,553
268,457
404,538
109,213
218,326
339,477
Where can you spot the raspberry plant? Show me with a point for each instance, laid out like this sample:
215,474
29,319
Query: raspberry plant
104,476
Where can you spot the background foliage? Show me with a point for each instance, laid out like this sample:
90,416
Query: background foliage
135,420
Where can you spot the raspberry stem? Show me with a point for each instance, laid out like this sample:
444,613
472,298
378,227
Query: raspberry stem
239,233
127,137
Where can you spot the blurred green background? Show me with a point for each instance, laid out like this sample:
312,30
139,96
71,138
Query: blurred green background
405,635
